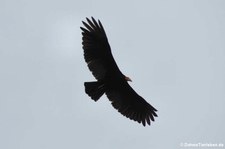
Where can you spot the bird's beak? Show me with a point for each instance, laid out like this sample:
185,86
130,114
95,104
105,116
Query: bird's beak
128,79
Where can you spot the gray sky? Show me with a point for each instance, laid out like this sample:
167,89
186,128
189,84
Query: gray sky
174,51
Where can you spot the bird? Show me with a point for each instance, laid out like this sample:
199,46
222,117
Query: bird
109,79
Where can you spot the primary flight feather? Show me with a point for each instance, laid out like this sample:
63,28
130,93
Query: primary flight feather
110,80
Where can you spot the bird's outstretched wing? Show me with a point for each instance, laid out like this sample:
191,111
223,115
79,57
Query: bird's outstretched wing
130,104
97,51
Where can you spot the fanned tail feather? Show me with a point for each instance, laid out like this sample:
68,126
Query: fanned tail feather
94,89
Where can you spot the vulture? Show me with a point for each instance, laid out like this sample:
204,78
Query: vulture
110,80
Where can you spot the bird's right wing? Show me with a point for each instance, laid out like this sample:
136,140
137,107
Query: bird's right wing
97,52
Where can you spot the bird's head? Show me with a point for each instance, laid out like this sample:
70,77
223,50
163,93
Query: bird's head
128,79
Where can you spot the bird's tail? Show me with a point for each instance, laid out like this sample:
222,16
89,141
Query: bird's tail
94,89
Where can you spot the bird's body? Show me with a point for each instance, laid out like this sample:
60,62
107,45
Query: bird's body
110,80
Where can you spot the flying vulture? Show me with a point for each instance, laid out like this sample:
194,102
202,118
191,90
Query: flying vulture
110,80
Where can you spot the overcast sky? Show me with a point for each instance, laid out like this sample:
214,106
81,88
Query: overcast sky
174,51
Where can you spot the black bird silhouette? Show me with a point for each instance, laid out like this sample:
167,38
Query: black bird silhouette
110,80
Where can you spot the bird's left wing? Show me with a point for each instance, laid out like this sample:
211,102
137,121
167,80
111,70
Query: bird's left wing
130,104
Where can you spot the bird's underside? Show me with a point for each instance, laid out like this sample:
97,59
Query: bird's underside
110,80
